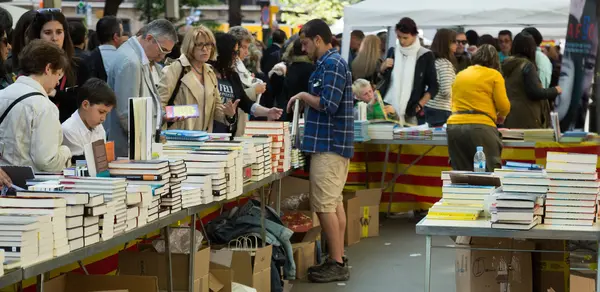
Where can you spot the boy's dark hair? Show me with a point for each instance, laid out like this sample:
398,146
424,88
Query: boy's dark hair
36,55
279,36
407,25
536,34
107,27
96,91
317,27
505,32
472,37
78,31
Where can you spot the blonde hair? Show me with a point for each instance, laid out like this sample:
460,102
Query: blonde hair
359,85
366,61
189,42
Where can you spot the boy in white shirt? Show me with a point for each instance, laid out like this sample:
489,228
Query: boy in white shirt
96,99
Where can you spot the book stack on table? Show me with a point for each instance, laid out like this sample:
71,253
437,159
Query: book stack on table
573,192
178,175
281,147
261,165
76,202
249,151
361,131
235,168
520,204
113,193
25,235
56,227
464,197
139,201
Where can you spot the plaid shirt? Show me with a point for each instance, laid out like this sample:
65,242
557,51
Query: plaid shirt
330,129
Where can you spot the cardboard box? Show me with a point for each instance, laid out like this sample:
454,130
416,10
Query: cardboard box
84,283
220,278
550,270
580,282
493,271
369,211
304,252
252,269
353,228
151,263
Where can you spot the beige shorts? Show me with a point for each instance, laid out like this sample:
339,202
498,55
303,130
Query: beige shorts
328,174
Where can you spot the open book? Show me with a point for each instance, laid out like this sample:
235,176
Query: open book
376,112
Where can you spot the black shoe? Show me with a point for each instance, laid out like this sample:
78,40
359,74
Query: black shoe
318,267
330,271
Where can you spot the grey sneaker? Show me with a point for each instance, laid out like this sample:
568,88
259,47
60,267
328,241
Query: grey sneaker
330,271
319,266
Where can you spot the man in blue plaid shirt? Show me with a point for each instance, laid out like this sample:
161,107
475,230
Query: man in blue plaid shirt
328,137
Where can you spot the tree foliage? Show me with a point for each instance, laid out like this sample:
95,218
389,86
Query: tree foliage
298,12
158,7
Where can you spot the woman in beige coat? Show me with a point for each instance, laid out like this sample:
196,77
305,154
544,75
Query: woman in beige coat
195,82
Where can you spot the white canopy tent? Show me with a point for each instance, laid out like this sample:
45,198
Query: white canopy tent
470,14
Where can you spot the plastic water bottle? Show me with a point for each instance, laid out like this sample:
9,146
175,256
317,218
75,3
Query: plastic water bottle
479,160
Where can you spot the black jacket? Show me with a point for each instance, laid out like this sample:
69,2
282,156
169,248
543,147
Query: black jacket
271,57
296,81
95,65
425,80
245,102
66,90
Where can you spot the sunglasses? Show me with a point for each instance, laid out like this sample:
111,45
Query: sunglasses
203,46
462,42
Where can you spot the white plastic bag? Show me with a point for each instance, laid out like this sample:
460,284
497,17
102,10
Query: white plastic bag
179,239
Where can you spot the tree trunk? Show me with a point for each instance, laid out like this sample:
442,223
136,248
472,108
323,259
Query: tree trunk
111,7
235,13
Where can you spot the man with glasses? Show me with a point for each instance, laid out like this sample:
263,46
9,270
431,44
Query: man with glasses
462,56
130,76
505,43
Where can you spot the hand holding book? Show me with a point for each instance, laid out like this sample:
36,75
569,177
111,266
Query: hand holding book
5,179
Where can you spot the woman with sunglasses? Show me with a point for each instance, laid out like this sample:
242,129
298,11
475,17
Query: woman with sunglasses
190,80
231,87
51,25
6,78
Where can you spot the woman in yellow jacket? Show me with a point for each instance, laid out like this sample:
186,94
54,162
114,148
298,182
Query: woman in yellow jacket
479,102
190,80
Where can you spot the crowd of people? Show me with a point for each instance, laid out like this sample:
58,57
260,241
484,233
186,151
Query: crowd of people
63,88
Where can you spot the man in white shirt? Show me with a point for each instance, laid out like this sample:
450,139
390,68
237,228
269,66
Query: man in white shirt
109,30
130,76
85,125
542,62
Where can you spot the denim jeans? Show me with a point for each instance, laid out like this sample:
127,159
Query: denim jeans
436,117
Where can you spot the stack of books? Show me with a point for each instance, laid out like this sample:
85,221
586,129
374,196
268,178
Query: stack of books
361,131
297,159
235,170
281,146
520,204
190,196
512,134
185,135
113,191
382,131
413,133
519,166
461,201
76,202
573,137
539,135
439,133
139,201
574,188
25,235
54,232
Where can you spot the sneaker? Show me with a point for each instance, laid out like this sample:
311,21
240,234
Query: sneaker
319,266
330,271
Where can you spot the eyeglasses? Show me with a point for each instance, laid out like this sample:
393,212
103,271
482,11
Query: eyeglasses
203,46
463,42
160,48
42,10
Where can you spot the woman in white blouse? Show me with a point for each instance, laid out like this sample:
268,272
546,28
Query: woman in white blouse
439,109
30,130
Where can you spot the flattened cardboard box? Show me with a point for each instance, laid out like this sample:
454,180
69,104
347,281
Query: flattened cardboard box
153,264
89,283
369,212
580,282
353,228
494,271
252,269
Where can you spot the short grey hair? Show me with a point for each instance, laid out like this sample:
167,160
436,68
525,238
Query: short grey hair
241,34
160,28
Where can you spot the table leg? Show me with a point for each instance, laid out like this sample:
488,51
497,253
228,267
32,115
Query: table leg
428,263
393,182
263,211
366,150
192,252
278,201
82,266
598,270
39,287
168,259
384,169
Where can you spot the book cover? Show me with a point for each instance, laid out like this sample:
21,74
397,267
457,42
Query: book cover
97,161
182,111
